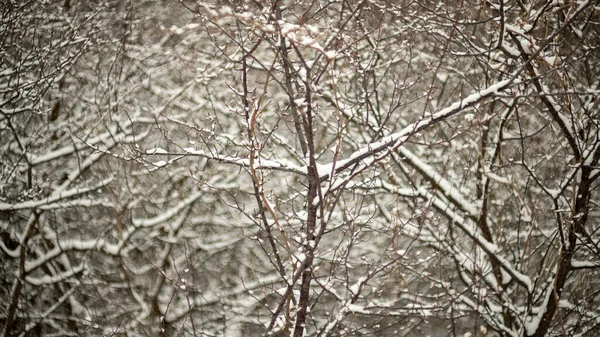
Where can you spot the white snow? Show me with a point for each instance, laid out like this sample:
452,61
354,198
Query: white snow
331,54
300,101
355,288
156,150
585,264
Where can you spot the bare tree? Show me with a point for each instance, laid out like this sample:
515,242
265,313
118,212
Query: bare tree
321,168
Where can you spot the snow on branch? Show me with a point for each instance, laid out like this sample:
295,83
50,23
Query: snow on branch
469,228
443,185
263,163
107,137
393,141
55,197
61,277
237,297
100,245
166,215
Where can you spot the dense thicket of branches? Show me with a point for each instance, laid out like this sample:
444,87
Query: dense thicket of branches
314,168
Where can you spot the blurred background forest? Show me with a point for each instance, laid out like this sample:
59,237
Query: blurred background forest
300,168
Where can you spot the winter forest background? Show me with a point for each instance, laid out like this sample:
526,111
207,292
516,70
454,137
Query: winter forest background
300,168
